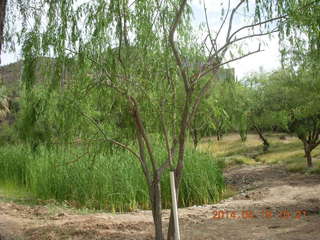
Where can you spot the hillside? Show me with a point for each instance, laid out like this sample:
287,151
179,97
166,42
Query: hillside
10,75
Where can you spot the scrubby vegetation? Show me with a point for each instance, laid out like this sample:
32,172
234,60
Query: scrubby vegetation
112,182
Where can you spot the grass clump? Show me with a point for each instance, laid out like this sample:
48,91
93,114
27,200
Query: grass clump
13,165
109,181
238,160
228,192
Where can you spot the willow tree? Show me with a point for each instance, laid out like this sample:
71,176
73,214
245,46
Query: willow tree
135,52
301,51
3,7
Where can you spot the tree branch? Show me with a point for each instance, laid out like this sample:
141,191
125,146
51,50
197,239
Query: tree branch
253,35
229,61
213,43
256,24
143,161
223,22
107,138
231,19
139,124
173,44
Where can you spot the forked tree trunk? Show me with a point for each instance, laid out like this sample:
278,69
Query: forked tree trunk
154,184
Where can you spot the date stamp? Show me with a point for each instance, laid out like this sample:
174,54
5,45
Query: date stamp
249,214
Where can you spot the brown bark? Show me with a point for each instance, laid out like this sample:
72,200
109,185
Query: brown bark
179,169
309,159
266,144
154,185
3,5
218,137
307,151
195,137
194,134
156,209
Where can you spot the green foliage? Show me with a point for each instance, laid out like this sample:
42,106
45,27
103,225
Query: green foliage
7,134
300,34
113,182
14,161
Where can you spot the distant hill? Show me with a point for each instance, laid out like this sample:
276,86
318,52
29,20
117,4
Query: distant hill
10,75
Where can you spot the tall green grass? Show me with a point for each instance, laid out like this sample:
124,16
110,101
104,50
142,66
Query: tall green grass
114,182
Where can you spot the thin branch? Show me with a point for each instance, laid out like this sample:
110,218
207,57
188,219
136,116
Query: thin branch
231,19
104,135
243,56
256,24
165,132
133,3
253,35
92,60
202,93
223,22
142,159
173,44
213,43
215,55
139,124
229,61
169,161
224,48
73,161
107,138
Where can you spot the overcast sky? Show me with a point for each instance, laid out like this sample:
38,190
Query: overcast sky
267,60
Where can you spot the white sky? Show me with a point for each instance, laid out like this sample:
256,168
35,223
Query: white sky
267,60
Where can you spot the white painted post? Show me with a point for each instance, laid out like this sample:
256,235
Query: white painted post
174,206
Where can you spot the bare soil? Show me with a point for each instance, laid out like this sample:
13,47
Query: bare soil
293,199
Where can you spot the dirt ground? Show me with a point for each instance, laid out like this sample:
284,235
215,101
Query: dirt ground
293,199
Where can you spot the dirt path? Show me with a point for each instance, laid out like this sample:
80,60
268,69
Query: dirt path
292,199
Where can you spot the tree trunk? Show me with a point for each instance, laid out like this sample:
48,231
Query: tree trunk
171,233
309,159
218,137
307,151
156,209
195,139
3,6
266,144
243,135
180,166
154,183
